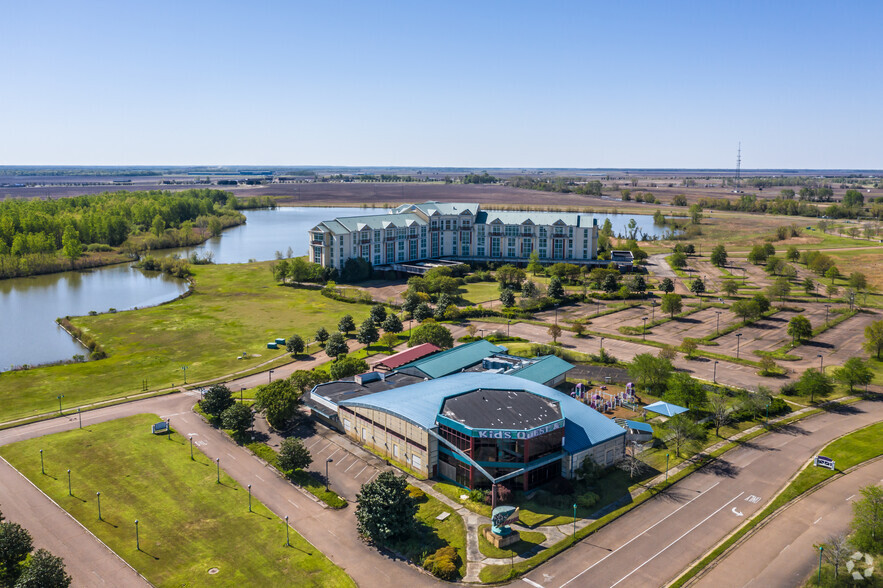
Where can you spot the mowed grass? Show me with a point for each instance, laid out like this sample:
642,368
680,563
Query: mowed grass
233,309
188,522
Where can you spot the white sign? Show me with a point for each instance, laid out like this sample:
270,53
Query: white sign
824,462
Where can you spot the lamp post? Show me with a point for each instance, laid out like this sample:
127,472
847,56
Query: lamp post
270,376
79,414
60,396
599,306
482,333
169,428
738,340
69,492
137,538
602,343
327,461
714,373
768,412
218,463
98,495
666,466
508,322
287,540
42,469
644,330
241,392
184,369
556,314
652,310
827,306
821,363
249,498
821,550
718,329
191,447
574,521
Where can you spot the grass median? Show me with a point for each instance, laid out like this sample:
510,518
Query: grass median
189,523
232,309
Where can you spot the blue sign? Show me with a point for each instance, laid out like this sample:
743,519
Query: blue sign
160,427
824,462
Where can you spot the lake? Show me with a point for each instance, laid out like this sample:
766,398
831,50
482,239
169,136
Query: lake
29,306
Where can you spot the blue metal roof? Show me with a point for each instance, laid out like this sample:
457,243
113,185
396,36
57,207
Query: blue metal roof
420,404
544,369
455,359
639,426
665,408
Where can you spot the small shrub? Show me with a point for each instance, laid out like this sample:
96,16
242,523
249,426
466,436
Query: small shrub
789,389
443,563
477,495
416,493
587,500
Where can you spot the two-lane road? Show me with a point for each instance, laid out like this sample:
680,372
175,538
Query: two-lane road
655,542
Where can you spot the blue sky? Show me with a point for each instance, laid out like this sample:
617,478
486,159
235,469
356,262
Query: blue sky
483,84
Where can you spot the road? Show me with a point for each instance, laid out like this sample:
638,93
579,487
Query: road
655,542
332,532
782,552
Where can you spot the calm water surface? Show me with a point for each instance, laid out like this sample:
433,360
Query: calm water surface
29,306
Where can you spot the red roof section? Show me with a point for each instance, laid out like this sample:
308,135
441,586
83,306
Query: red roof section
408,355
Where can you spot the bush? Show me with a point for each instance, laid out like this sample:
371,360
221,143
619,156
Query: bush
478,495
444,563
504,495
789,389
587,500
416,493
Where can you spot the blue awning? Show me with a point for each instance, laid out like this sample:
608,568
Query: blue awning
665,408
639,426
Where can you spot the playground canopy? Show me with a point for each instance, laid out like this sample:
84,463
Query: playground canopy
665,408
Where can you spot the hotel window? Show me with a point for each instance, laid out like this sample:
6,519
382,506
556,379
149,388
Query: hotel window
511,230
448,224
413,231
423,231
377,235
542,232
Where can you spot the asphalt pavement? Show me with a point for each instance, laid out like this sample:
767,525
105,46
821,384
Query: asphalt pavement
654,543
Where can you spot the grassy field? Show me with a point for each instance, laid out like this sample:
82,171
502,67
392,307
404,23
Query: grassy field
233,308
434,534
188,522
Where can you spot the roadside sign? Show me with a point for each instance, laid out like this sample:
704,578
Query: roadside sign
824,462
160,427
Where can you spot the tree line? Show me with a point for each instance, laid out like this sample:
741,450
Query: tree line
37,236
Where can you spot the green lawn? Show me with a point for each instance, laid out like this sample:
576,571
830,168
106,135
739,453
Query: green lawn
481,292
233,308
528,542
433,534
188,522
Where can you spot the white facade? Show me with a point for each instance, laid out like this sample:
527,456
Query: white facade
434,230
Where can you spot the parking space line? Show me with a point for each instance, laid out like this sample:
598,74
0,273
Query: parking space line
360,471
335,453
314,443
351,465
323,449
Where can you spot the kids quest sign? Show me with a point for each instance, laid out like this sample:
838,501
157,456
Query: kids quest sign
503,434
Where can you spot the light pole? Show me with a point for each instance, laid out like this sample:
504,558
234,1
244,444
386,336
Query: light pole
714,373
556,314
249,498
821,360
666,466
768,412
79,414
602,343
287,540
241,392
508,322
69,493
652,310
60,396
327,461
482,333
184,369
827,306
98,495
644,330
137,538
218,463
169,428
270,376
574,521
738,340
718,313
821,550
42,469
191,447
599,306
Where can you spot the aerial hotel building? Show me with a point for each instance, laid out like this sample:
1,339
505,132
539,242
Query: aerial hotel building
457,231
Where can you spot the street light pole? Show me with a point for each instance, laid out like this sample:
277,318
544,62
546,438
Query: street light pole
821,361
666,466
827,306
287,539
69,493
241,392
249,498
79,414
137,538
714,375
738,340
821,550
644,330
98,495
602,343
574,521
327,461
508,322
42,469
191,447
270,375
60,396
718,321
184,369
218,463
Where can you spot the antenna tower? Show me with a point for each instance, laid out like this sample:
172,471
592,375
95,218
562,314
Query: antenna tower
739,167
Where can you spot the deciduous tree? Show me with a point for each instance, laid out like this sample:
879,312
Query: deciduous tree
874,338
799,328
384,510
814,383
854,372
336,345
216,400
44,570
719,256
671,303
278,400
293,455
295,345
431,332
346,324
367,333
239,418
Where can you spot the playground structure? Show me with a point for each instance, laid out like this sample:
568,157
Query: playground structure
604,401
